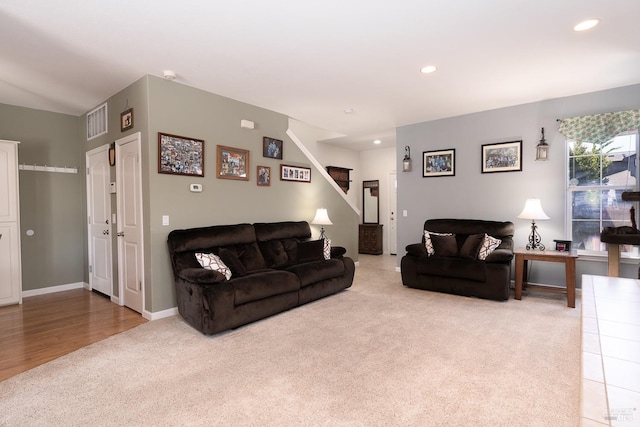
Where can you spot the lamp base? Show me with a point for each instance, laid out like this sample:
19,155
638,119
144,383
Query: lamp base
322,235
535,241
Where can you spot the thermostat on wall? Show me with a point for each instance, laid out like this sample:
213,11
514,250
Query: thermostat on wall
195,188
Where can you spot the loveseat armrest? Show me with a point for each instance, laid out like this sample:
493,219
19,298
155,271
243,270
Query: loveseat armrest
201,275
500,255
416,249
337,251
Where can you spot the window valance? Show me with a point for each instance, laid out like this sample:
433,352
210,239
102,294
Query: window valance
600,128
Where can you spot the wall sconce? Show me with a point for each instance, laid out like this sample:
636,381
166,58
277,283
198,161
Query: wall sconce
542,149
406,162
112,154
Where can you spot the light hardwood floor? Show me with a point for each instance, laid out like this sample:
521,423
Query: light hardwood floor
45,327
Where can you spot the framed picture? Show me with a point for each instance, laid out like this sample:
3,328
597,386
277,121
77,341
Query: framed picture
126,120
439,163
295,173
271,148
180,155
232,163
264,176
502,157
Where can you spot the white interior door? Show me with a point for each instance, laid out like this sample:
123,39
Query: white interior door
99,220
393,206
130,230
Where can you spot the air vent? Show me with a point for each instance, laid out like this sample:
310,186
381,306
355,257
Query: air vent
97,122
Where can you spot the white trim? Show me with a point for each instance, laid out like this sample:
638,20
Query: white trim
54,289
157,315
322,170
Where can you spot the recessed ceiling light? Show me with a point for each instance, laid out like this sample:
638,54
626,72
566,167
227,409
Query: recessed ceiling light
348,111
428,69
377,141
586,25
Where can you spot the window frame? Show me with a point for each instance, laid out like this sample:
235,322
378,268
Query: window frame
569,190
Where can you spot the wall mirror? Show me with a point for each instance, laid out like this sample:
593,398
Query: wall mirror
370,202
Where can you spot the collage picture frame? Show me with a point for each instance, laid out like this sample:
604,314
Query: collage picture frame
179,155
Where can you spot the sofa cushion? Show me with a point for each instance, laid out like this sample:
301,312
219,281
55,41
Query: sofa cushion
312,272
471,246
452,267
427,240
489,244
233,262
444,245
311,250
279,253
213,262
263,284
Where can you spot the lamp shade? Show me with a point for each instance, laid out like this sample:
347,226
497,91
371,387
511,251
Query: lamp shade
321,218
533,210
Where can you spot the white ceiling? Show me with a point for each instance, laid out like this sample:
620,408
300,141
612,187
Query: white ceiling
311,60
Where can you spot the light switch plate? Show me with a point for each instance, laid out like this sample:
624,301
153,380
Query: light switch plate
195,188
165,219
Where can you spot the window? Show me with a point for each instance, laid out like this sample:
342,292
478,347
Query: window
598,174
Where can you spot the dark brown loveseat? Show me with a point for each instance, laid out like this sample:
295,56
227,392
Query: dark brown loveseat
460,271
274,267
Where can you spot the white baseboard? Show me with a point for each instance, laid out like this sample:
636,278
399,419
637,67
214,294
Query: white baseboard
53,289
156,315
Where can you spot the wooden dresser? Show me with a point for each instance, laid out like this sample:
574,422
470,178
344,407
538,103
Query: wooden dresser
370,239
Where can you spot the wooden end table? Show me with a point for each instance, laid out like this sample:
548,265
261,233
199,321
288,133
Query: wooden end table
523,256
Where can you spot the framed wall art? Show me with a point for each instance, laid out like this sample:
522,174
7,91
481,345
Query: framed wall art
232,163
295,173
502,157
180,155
439,163
271,148
126,120
263,174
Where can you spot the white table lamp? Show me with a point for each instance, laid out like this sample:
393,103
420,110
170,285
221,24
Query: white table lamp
533,210
321,218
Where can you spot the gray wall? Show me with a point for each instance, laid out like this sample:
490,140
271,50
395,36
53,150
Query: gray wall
501,196
50,203
182,110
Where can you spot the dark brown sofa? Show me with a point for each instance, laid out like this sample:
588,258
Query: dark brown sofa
274,267
463,273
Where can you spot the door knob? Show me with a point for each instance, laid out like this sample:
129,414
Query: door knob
120,234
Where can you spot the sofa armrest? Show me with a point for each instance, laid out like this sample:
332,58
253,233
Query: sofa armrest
416,249
500,255
337,251
201,275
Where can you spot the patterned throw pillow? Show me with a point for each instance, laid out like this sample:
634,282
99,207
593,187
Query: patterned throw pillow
488,245
213,262
327,248
427,240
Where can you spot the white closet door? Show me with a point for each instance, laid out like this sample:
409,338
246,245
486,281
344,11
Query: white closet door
10,267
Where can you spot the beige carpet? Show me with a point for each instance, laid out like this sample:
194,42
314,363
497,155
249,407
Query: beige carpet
376,354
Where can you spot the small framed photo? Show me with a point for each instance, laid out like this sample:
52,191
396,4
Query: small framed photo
295,173
232,163
180,155
439,163
126,120
271,148
502,157
264,176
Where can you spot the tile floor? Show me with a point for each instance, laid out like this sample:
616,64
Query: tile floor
610,351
